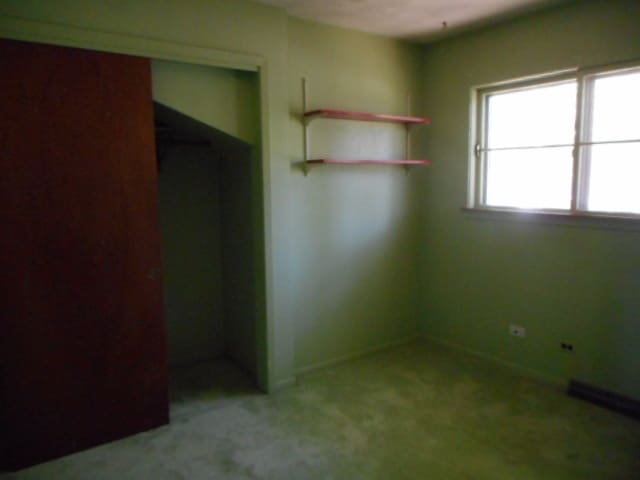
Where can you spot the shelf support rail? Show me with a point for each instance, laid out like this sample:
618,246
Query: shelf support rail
305,133
407,137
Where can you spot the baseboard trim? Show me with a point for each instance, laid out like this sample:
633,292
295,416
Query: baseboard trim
355,355
527,372
282,384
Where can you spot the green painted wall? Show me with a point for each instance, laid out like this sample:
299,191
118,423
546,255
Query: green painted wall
208,206
352,242
350,258
190,220
577,284
224,98
336,248
236,32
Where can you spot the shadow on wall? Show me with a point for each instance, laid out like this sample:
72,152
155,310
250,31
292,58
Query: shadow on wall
206,212
355,269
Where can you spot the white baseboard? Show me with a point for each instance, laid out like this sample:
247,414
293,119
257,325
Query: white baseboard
282,384
524,371
354,355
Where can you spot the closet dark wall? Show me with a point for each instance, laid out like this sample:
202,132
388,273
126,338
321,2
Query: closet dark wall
207,208
239,265
191,247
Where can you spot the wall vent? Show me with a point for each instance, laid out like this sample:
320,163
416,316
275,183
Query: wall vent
619,403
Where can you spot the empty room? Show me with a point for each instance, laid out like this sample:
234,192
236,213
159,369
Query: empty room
307,239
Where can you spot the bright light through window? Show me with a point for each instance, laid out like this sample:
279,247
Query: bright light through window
616,103
532,117
531,157
614,168
530,178
526,165
614,180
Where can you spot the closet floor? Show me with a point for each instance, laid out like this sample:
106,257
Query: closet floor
207,385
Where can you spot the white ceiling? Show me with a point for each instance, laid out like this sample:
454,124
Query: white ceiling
409,19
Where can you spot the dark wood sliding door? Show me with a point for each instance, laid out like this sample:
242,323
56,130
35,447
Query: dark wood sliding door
82,342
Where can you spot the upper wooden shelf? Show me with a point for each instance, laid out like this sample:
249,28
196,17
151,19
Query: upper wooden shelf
365,116
337,161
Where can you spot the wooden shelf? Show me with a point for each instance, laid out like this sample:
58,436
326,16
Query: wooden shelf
336,161
364,116
406,120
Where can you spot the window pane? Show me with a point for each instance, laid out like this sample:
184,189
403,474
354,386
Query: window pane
538,178
616,103
614,180
531,117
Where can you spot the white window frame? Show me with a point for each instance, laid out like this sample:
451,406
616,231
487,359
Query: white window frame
476,198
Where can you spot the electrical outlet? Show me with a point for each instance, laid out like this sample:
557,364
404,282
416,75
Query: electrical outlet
517,331
567,347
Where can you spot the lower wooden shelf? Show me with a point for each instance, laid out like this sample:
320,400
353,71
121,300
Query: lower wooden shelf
337,161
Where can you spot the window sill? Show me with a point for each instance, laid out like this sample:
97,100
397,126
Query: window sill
588,220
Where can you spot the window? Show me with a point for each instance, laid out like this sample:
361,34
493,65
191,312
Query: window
568,143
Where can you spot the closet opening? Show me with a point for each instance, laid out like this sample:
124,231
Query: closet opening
209,206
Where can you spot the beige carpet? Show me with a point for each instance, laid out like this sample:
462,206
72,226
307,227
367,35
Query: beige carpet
415,412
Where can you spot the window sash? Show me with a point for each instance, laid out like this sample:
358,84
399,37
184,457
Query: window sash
585,79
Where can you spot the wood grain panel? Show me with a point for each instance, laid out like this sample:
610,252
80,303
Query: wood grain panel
82,346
